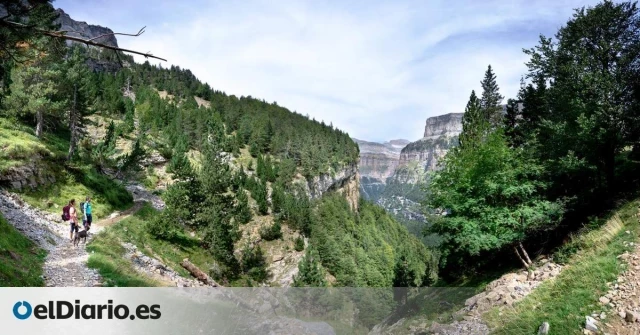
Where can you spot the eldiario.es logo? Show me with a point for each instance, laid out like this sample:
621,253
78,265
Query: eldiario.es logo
61,310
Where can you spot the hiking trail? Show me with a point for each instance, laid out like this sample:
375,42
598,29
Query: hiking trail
65,265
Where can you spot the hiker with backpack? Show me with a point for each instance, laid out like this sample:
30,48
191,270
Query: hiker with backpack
69,214
85,209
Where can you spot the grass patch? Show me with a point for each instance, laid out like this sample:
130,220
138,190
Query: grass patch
565,301
134,230
107,195
18,144
21,260
107,256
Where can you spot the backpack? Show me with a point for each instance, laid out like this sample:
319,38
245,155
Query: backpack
65,213
82,207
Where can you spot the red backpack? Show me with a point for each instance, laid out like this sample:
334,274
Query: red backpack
65,213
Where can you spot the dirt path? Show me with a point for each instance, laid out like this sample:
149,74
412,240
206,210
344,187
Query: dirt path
118,216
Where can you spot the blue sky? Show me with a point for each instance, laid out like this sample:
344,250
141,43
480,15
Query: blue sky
376,69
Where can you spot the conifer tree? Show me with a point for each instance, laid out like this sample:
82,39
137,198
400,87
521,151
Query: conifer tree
75,86
310,273
473,125
242,210
34,90
219,237
511,120
491,98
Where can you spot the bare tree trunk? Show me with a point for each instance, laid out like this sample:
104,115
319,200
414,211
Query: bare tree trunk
526,265
524,252
39,123
196,272
73,124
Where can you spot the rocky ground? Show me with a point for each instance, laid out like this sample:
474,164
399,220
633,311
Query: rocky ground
65,265
503,292
622,300
141,194
155,269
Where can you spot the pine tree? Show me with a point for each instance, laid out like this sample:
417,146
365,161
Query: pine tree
259,193
242,211
473,123
219,237
512,118
34,90
491,98
131,161
310,273
254,263
260,168
75,85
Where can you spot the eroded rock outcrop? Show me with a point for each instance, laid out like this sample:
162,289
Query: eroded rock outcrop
31,175
344,181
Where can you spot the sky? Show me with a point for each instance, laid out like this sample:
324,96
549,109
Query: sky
375,69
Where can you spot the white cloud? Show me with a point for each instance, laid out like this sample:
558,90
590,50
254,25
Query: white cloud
374,69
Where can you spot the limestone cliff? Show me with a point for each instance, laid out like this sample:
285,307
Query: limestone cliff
345,181
440,135
378,161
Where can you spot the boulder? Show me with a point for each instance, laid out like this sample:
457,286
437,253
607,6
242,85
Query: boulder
544,329
632,316
591,324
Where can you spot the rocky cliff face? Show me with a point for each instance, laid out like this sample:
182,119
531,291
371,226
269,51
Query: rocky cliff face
84,30
89,31
345,181
378,161
30,175
440,135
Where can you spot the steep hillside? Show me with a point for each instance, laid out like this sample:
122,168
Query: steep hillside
251,191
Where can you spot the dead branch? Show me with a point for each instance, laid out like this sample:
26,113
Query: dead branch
62,35
140,32
105,46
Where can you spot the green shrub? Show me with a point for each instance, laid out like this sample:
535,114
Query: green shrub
273,232
299,244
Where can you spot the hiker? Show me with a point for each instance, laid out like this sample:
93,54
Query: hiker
87,219
72,216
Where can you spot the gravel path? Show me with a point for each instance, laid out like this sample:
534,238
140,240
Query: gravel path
65,265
